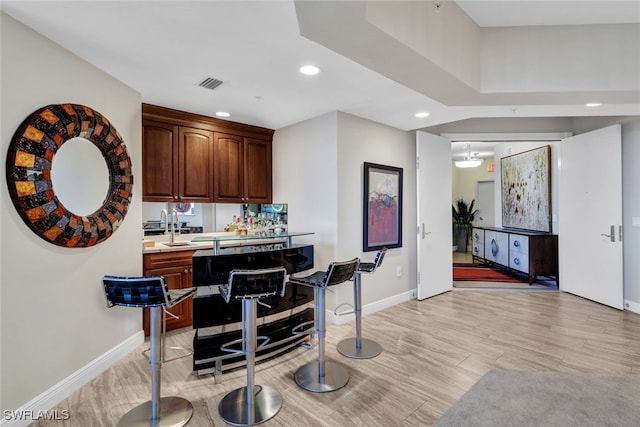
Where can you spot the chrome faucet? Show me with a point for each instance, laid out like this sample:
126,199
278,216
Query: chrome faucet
163,216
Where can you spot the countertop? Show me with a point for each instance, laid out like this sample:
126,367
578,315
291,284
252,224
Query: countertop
205,241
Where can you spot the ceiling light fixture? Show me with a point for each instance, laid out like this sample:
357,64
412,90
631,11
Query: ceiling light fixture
222,114
468,161
309,70
593,104
422,114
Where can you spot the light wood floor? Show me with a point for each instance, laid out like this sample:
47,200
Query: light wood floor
434,351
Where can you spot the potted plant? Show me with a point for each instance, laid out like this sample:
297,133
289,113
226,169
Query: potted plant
463,214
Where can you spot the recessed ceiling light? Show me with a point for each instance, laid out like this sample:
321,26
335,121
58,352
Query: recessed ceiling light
422,114
222,114
309,70
593,104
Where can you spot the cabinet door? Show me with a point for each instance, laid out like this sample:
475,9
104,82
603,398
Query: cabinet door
257,171
477,238
519,252
496,247
176,278
228,168
159,161
196,164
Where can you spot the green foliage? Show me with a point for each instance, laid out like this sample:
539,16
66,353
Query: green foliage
463,213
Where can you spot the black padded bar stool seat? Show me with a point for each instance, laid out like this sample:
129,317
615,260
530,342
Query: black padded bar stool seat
367,267
151,292
358,347
252,404
320,376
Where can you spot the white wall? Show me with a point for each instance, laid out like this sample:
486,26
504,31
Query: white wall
54,320
305,175
530,59
360,141
418,25
318,166
465,180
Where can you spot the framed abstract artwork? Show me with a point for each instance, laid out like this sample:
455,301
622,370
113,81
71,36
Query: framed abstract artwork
526,190
382,207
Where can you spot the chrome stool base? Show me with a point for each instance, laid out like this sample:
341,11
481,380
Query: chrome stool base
174,412
233,407
308,377
368,348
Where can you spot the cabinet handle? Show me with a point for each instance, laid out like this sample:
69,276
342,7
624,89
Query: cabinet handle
186,270
476,250
516,261
494,247
516,243
476,235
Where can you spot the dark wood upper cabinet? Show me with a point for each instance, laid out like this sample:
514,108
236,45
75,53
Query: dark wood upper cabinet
159,161
189,157
195,168
228,168
257,170
242,169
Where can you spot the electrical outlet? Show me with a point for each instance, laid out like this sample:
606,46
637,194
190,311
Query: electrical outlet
399,271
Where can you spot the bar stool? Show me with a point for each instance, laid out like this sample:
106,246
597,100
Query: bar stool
358,347
252,404
320,376
151,292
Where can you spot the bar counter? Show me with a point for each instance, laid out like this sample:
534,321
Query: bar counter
217,322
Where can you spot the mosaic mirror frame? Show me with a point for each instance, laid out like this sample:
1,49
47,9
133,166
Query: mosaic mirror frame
29,161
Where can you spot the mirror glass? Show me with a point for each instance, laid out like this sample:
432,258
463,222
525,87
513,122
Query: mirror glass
80,176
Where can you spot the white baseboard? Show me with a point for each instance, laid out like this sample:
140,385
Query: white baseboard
43,403
632,306
372,307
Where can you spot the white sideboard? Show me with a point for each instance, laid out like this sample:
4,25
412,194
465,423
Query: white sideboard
535,254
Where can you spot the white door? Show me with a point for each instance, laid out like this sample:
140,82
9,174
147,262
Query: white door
434,214
590,216
485,203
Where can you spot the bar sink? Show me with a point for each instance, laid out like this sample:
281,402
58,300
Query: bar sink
177,243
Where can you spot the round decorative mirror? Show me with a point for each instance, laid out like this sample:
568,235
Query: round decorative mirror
29,175
80,176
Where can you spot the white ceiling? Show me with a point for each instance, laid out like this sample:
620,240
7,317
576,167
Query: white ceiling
515,13
164,49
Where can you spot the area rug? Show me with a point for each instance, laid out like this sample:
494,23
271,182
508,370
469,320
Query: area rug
481,273
511,398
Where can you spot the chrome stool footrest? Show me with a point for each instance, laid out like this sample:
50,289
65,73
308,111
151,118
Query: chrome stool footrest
344,313
310,331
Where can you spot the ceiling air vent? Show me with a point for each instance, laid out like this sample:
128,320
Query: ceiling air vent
210,83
